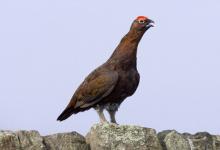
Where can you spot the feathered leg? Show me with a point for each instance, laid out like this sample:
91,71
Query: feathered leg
112,108
112,116
99,109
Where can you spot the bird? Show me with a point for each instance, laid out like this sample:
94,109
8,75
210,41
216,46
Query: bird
111,83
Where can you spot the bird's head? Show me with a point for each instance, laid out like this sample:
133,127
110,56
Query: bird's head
142,23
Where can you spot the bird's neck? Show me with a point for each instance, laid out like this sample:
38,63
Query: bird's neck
126,51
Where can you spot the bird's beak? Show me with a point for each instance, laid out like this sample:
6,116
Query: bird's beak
150,24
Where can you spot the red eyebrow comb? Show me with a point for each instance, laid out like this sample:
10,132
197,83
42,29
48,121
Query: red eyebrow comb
141,17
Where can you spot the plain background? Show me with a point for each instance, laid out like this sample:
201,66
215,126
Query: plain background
47,47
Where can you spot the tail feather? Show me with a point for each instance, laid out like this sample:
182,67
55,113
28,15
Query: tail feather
69,111
66,113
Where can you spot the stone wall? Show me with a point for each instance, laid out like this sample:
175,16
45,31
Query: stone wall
110,137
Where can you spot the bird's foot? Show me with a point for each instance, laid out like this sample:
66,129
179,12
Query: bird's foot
104,122
114,122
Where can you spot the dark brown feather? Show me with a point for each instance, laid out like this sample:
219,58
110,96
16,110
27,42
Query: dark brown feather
96,86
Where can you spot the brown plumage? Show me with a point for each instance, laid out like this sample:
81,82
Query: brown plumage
108,85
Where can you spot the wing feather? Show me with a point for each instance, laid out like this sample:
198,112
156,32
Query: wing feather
95,87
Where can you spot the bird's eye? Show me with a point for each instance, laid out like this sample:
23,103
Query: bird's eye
141,21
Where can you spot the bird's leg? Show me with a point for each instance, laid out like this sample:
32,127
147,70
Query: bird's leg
112,116
99,109
112,108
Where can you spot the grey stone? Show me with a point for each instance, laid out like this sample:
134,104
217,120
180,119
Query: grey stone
203,141
172,140
122,137
30,140
110,137
216,142
9,141
66,141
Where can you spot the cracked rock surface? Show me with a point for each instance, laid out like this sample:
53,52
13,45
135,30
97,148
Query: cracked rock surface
109,137
124,137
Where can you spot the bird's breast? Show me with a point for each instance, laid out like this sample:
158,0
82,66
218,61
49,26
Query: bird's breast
128,81
127,84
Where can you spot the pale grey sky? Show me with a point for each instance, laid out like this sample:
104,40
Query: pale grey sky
47,47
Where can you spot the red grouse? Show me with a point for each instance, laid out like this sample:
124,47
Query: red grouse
111,83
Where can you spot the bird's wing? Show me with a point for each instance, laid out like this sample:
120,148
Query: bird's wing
95,88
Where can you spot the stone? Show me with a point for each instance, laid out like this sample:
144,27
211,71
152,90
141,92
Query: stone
172,140
9,141
203,141
65,141
216,142
110,136
30,140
